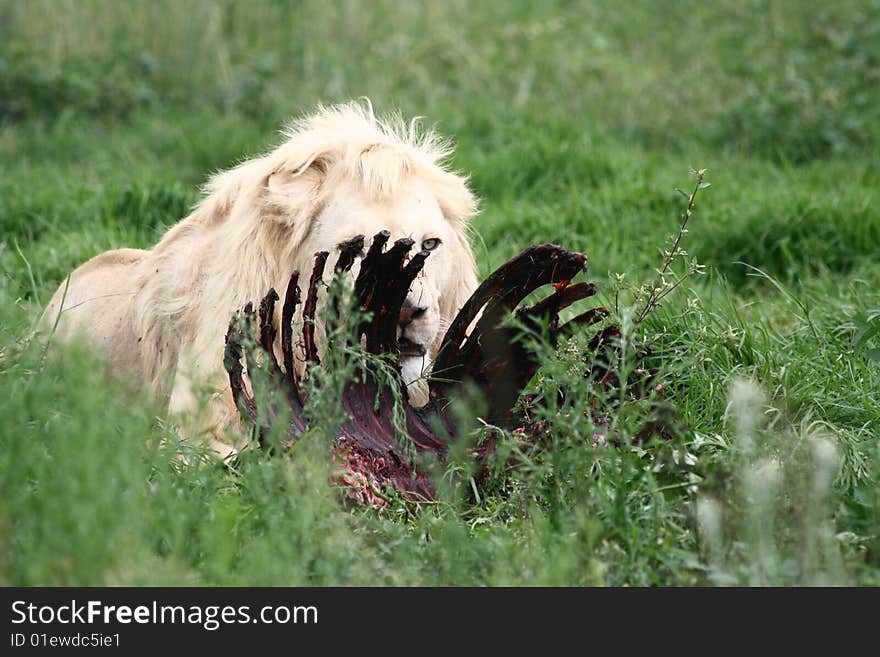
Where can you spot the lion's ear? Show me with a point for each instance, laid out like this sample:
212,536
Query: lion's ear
291,191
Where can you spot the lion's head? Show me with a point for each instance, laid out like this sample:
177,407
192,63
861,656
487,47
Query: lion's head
342,172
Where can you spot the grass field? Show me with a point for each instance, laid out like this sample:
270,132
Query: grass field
576,122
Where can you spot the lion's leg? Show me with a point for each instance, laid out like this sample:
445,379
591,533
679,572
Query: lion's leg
205,411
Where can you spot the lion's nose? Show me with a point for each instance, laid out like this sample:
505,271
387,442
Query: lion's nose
408,313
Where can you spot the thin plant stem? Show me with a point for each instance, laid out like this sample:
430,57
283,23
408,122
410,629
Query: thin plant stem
659,288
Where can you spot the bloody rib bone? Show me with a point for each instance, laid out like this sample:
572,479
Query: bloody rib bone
481,347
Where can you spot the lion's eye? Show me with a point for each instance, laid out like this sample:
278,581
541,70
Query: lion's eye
430,244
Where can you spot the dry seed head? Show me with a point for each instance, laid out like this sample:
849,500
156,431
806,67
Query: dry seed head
709,517
746,406
762,481
825,461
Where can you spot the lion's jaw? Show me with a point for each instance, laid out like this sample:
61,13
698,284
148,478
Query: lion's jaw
418,335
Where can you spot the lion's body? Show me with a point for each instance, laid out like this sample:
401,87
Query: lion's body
160,315
106,317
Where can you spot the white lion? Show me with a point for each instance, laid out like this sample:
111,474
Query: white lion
161,314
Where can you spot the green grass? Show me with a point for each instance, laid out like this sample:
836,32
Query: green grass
576,121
